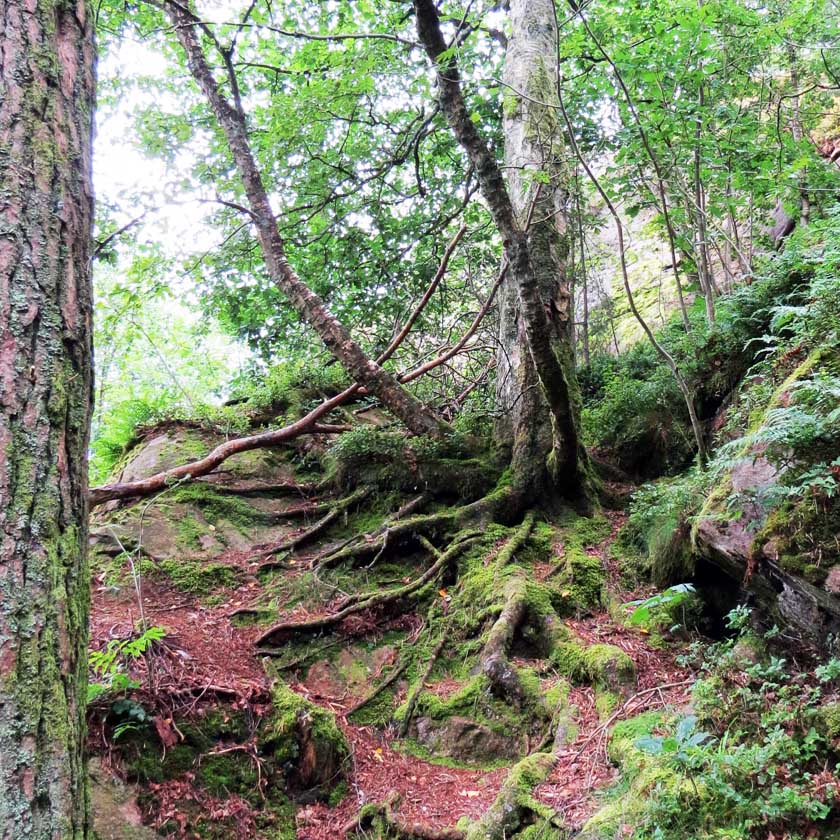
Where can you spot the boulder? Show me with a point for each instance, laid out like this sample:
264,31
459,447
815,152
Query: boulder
465,739
733,546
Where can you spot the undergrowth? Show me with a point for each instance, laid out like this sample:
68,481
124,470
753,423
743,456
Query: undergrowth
757,758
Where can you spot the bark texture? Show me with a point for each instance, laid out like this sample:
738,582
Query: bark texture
46,104
536,176
416,416
537,378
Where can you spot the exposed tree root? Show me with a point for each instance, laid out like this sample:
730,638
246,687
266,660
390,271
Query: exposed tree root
501,504
388,681
295,542
310,533
515,807
325,558
250,487
417,688
378,812
494,662
516,541
284,629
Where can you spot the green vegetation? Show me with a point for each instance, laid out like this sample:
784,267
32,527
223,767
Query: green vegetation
757,755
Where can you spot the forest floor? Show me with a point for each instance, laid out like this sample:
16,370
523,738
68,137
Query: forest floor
208,657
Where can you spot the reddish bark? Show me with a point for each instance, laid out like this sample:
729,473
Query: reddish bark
46,104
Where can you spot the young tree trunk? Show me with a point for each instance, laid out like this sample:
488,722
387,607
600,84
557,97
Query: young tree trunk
46,106
416,416
537,391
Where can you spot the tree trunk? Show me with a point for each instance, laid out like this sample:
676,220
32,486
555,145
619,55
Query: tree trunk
538,393
416,416
46,106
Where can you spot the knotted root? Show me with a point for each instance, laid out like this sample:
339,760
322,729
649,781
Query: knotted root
284,629
515,807
395,825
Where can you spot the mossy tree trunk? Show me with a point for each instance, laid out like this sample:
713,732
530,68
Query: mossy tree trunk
544,445
538,386
46,105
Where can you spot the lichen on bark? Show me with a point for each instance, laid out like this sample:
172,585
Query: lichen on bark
46,105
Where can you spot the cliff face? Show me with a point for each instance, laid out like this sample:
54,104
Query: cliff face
771,523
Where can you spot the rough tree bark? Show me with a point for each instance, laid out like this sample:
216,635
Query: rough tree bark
536,175
538,386
416,416
46,105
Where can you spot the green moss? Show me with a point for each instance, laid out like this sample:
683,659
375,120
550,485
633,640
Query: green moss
802,532
388,460
828,717
293,715
228,773
476,701
606,702
628,803
580,586
217,507
604,666
414,748
623,736
189,532
193,576
557,696
465,702
516,808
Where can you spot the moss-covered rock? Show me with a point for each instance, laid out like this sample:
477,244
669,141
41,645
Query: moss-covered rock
828,721
306,741
389,461
603,666
295,753
472,725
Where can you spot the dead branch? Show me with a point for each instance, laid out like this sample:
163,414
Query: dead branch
205,465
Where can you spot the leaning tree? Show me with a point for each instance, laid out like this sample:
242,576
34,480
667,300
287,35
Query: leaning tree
538,426
537,392
46,106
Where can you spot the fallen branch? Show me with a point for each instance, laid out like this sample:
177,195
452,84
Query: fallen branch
205,465
305,425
